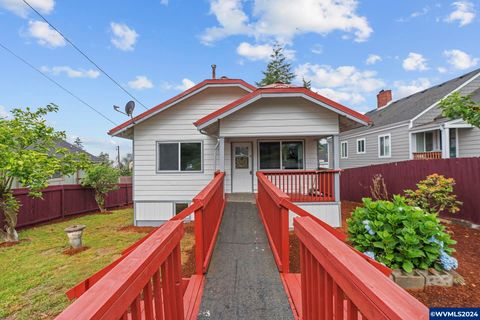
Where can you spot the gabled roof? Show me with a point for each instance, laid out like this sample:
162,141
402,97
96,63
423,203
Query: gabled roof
282,91
74,149
180,97
409,107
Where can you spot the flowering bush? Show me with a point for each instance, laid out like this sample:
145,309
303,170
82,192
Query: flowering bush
400,236
434,195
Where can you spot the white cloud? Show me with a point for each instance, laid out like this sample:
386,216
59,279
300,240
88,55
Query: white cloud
460,60
70,72
404,89
4,114
140,83
164,2
424,11
260,51
317,49
186,84
45,35
442,69
464,13
124,38
344,83
21,9
282,20
415,61
373,58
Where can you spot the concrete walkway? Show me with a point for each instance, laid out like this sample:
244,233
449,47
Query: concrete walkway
243,281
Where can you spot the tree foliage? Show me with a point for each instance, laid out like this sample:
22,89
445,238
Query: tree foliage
278,69
102,178
78,143
307,84
28,154
400,236
457,106
126,165
434,195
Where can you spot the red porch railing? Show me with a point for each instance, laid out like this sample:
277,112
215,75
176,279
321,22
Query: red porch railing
145,285
427,155
331,288
305,185
208,207
274,206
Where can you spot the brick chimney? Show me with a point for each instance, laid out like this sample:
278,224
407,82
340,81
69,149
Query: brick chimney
383,98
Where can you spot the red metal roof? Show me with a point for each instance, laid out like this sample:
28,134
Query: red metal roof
185,93
281,90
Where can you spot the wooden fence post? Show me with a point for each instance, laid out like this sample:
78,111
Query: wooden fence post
285,239
199,241
63,201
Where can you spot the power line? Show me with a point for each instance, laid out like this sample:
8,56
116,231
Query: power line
55,82
84,54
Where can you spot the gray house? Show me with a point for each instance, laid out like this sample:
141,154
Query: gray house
413,128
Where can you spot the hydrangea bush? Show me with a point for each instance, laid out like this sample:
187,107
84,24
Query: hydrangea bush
401,236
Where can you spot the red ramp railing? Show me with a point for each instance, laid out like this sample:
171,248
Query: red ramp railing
336,283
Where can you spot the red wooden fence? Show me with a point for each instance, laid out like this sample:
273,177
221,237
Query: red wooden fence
355,183
305,185
62,201
338,284
144,285
274,207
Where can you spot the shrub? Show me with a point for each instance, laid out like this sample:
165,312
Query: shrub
434,195
379,188
102,178
400,236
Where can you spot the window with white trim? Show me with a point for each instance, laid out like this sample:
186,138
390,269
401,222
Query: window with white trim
361,146
344,149
179,156
280,155
385,146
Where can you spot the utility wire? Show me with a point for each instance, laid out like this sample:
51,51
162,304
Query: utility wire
84,54
55,82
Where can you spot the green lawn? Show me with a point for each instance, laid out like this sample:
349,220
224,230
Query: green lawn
35,274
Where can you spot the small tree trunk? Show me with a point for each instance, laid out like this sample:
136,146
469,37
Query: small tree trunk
9,206
100,199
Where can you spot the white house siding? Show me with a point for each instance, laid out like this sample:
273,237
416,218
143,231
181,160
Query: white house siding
311,158
328,212
155,193
399,145
469,142
280,117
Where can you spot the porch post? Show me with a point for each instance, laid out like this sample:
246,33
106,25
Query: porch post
445,142
221,153
336,165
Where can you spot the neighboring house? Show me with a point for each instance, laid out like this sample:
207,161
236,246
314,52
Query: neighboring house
59,179
413,128
229,125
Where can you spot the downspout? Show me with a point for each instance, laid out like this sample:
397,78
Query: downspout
216,146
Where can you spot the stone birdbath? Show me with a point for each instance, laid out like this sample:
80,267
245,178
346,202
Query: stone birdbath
74,234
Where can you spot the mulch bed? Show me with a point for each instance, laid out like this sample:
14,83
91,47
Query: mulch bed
73,251
468,255
13,243
188,268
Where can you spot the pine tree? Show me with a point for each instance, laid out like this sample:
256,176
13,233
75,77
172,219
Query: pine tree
307,84
78,143
278,70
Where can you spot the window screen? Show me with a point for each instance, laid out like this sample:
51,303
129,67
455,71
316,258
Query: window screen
269,155
168,156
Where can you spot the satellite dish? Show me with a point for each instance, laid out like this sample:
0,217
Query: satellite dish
129,107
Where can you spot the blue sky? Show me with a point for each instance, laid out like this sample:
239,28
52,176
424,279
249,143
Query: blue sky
348,49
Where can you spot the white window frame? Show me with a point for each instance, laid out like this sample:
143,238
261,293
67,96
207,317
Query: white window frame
389,149
343,156
281,158
157,158
364,146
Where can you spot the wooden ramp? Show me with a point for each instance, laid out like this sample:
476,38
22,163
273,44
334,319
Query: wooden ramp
243,281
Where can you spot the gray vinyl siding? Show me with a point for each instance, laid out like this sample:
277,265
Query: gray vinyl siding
280,117
176,124
469,142
399,146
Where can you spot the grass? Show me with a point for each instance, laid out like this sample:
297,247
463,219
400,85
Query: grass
35,274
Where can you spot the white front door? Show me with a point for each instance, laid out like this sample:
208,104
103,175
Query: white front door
242,167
